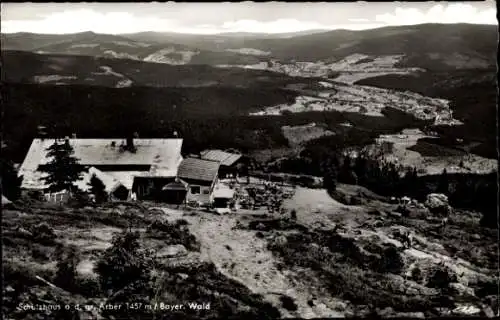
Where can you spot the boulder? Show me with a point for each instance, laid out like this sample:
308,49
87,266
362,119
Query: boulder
420,205
5,201
462,289
121,207
260,226
339,306
172,251
437,202
24,233
488,312
443,312
492,301
280,241
466,310
183,276
386,312
414,315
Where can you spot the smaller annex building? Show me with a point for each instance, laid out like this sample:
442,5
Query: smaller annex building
229,161
200,177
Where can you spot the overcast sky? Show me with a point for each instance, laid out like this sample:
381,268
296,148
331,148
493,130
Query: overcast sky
209,18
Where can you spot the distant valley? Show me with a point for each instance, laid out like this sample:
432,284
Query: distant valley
389,78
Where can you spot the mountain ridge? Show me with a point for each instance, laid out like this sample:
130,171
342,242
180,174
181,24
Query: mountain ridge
427,46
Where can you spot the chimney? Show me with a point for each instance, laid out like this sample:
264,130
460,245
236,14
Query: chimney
130,143
42,133
130,146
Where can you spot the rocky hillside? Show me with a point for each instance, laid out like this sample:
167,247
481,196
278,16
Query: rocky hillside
327,260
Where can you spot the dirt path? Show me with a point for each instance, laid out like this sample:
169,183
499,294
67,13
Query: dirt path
240,255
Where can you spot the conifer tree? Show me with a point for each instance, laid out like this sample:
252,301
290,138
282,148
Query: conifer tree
443,185
330,177
407,182
360,168
98,189
11,183
344,170
63,169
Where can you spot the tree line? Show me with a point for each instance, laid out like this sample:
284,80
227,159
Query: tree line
467,191
384,178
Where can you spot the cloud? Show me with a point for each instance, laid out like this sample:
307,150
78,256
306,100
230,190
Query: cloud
359,20
72,21
451,13
80,20
277,26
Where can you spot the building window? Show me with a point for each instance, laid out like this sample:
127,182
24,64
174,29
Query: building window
195,190
206,191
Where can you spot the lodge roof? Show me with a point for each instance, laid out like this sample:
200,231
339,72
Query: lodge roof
198,169
163,156
225,158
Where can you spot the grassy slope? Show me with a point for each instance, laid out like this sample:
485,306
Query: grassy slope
89,231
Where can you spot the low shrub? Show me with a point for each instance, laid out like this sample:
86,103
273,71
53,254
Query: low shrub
88,287
43,233
390,261
487,288
174,233
417,275
40,252
440,278
66,269
288,303
123,263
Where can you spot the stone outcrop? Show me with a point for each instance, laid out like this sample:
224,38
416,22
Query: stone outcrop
437,203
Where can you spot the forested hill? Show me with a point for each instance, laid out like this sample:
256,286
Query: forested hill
205,117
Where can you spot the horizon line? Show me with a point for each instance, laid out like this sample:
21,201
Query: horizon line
255,32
